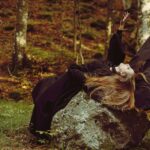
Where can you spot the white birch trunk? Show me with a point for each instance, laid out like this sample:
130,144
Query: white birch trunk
144,30
21,31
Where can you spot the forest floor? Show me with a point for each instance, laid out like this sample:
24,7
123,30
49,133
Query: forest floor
14,134
50,48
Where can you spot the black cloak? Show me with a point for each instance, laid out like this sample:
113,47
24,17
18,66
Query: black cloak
141,64
52,94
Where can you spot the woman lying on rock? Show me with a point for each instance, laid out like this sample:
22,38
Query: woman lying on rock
116,87
115,90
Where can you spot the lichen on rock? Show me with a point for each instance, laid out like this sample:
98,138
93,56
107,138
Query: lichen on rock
85,123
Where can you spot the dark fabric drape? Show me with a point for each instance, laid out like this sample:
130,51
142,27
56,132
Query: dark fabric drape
116,53
52,94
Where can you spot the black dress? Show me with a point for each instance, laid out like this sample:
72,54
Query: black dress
52,94
142,93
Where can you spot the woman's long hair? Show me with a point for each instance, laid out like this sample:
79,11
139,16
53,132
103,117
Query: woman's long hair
111,91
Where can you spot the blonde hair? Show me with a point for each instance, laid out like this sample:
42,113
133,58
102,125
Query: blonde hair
113,91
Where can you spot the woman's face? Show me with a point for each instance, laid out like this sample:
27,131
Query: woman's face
125,71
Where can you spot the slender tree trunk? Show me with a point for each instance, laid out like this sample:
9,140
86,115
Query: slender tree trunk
80,35
109,28
62,8
80,47
19,54
77,33
144,30
75,28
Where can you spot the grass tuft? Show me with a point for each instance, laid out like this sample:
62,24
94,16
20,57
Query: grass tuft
14,120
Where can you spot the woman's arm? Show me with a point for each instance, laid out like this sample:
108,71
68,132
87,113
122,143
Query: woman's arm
89,67
116,49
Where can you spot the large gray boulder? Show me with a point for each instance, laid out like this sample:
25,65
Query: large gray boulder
87,124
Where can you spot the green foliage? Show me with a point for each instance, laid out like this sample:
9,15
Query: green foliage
50,56
14,119
40,53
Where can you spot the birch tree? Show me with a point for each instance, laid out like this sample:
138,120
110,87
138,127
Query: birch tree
19,53
75,28
80,54
77,33
144,29
109,27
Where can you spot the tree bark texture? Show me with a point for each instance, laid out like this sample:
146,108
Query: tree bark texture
19,54
144,29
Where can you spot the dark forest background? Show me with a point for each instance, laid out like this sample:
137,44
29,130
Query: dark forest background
57,32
